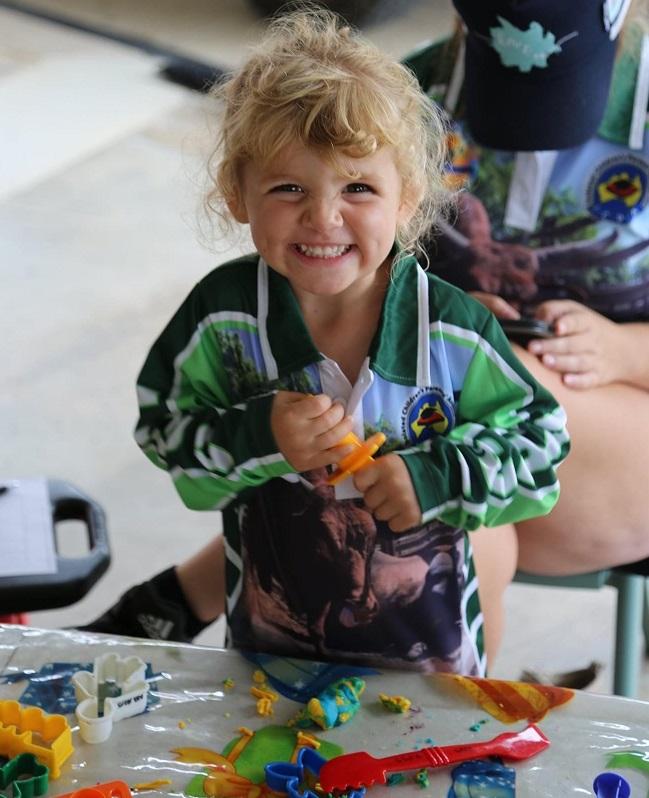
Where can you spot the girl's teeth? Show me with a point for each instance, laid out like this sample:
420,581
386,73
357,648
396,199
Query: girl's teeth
323,252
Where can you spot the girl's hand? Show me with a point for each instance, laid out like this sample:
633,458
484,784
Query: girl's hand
307,429
496,304
588,349
388,492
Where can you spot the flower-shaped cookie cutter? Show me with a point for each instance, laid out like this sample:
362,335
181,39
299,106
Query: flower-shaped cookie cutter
29,730
24,776
289,778
116,689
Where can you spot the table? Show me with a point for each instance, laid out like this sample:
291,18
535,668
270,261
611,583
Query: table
194,709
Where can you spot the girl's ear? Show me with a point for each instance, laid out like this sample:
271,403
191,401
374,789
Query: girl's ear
237,207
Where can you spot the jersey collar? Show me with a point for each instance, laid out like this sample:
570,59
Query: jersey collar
394,348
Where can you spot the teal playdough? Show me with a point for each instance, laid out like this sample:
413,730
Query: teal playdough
336,704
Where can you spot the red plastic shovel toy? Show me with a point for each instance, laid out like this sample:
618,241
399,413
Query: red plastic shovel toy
351,771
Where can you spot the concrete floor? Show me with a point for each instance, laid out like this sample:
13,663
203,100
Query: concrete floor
100,188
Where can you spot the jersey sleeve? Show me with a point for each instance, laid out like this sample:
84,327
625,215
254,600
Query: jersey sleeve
498,463
213,443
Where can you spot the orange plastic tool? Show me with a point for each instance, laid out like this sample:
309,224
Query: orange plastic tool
361,454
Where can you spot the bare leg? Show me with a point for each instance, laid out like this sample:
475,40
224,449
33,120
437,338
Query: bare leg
495,554
202,578
602,516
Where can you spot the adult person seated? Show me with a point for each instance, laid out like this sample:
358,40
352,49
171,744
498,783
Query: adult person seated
550,149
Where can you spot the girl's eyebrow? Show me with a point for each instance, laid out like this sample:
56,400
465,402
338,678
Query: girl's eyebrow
364,173
270,175
272,171
369,174
281,178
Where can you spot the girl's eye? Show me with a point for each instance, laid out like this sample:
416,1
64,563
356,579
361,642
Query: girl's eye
291,188
357,188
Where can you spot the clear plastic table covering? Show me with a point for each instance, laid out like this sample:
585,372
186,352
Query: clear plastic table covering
194,709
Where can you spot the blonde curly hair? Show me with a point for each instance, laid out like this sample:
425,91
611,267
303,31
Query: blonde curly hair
315,81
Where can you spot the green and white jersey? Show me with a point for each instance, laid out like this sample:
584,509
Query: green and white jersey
309,570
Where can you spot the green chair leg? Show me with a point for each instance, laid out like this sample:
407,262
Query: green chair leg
645,616
632,618
629,623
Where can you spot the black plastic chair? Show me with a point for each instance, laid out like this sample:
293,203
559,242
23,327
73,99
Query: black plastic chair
74,575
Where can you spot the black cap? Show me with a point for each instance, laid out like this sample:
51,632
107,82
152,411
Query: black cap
537,72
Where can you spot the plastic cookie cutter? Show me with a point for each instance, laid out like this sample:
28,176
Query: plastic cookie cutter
611,785
115,689
21,727
24,776
358,457
300,779
108,789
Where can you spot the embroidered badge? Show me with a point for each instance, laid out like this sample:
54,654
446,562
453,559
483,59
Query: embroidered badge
523,49
617,191
429,412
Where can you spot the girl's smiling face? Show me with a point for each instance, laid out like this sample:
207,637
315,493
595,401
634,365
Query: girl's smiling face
326,233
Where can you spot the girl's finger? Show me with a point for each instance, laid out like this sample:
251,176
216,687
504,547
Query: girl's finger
404,521
316,405
327,422
364,479
385,511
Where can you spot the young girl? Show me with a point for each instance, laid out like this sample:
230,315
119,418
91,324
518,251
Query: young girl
333,156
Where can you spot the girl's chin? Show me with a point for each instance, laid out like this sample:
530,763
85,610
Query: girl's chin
320,285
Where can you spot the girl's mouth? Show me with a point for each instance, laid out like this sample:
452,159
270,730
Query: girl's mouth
325,251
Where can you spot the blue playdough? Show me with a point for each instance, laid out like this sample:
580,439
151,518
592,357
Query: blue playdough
482,778
336,704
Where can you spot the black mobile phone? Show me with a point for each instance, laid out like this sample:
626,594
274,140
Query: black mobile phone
525,329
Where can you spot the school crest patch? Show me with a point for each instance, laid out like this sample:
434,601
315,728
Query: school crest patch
617,190
426,414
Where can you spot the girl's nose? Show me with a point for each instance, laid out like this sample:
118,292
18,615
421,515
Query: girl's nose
323,214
